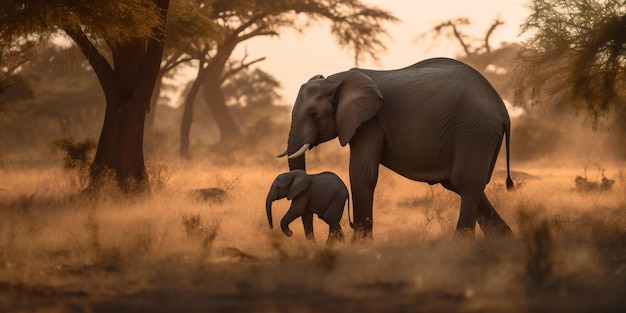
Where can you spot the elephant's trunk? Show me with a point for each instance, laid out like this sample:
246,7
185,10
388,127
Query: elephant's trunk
268,208
297,163
293,145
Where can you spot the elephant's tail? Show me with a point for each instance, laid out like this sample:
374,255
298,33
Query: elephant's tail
349,219
507,138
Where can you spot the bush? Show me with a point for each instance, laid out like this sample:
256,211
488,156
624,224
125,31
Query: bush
78,153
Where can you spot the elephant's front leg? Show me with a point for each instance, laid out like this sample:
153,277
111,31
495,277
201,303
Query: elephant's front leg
307,222
365,150
297,209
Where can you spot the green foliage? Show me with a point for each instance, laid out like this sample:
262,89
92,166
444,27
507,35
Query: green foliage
78,153
576,51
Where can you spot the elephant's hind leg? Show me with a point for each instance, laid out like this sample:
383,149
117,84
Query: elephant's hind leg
490,221
466,225
335,234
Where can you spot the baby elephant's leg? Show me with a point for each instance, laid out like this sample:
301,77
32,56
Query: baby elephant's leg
335,234
332,217
307,222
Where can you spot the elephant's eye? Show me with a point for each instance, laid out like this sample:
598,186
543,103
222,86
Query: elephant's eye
313,114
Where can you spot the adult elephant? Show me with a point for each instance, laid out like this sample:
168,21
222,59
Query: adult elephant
437,121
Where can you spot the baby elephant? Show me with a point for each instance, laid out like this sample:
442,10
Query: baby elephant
324,194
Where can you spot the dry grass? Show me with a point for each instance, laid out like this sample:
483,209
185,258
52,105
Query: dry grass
63,251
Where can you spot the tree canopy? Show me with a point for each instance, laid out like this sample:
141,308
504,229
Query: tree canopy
576,52
116,21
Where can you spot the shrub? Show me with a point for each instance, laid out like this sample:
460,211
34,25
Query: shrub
78,153
198,232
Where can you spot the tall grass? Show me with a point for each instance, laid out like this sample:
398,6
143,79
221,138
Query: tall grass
52,236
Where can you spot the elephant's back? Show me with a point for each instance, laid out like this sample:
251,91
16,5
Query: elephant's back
434,88
331,179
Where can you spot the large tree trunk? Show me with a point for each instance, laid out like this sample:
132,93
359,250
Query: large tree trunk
128,85
120,147
214,98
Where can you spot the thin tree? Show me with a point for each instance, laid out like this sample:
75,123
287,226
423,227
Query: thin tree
123,41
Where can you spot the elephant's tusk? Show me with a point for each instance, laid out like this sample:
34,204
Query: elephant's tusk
282,154
300,152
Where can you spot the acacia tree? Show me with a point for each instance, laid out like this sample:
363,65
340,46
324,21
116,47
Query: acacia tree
476,51
356,26
496,64
575,55
123,42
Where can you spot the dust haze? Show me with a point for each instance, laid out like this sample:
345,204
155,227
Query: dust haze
63,250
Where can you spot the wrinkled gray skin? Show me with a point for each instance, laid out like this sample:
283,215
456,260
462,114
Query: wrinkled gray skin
324,194
437,121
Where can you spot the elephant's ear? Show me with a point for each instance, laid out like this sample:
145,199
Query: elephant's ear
299,184
358,100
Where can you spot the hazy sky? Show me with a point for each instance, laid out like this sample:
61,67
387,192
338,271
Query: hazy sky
293,58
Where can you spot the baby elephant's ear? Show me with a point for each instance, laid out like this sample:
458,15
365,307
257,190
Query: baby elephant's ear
299,183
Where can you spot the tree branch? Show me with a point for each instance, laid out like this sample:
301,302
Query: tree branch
493,27
98,62
241,67
256,32
458,36
152,62
249,23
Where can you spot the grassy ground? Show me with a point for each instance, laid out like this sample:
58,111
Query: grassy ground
61,251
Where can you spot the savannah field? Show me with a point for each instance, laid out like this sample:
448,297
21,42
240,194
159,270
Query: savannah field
66,251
